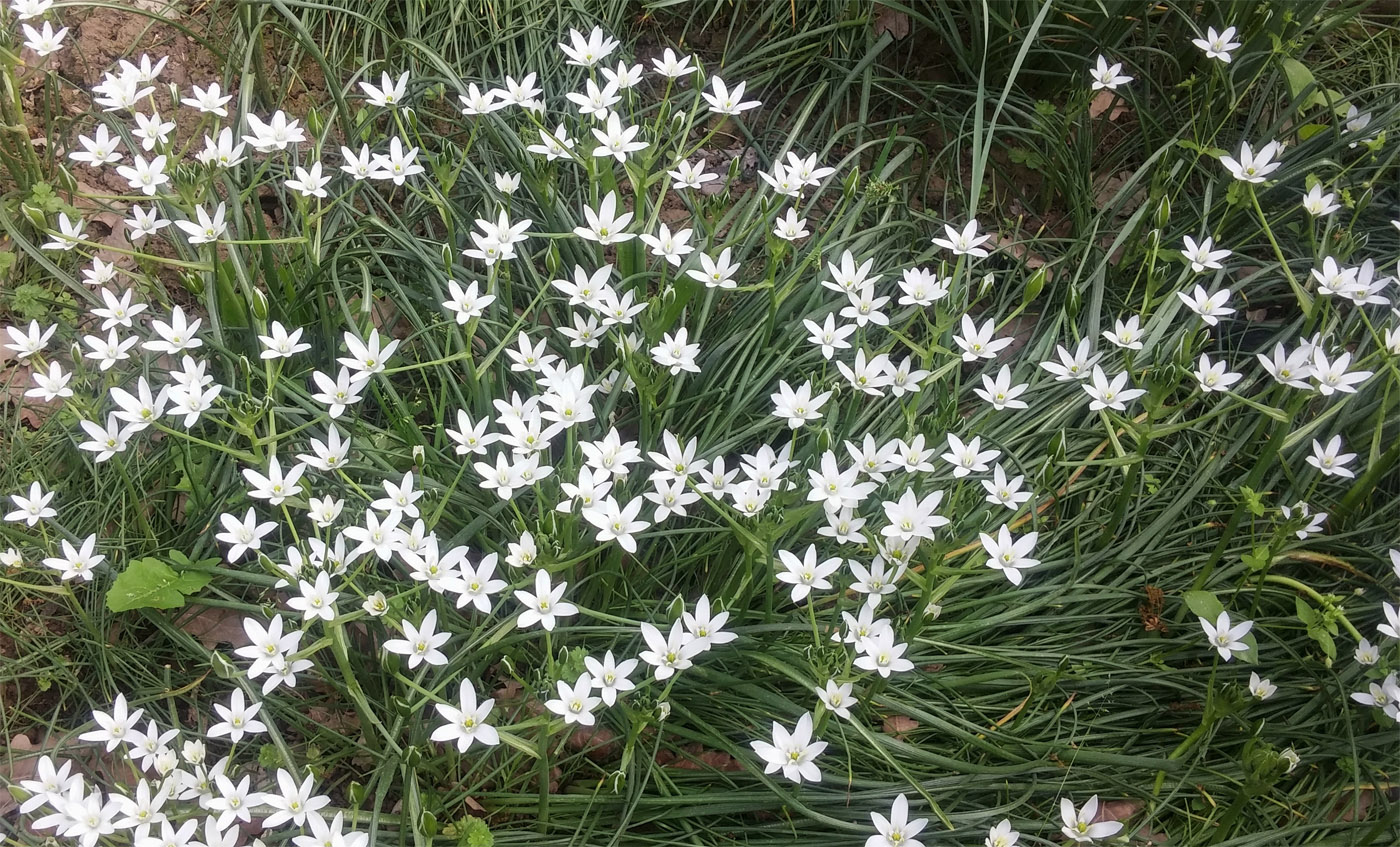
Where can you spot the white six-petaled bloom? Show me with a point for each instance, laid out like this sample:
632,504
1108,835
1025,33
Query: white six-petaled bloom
420,643
1218,45
897,830
1080,826
794,753
466,722
1106,76
1225,638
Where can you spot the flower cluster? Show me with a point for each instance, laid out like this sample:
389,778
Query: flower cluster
352,537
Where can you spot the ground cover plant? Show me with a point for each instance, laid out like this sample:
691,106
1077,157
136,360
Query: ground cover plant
431,426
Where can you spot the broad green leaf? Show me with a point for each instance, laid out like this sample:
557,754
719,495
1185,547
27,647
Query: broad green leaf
1300,79
152,584
1203,604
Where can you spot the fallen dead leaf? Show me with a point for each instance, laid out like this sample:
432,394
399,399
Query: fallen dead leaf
13,769
893,21
898,725
596,742
697,758
215,625
1107,101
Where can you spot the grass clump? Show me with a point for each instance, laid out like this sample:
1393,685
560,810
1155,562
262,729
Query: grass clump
535,439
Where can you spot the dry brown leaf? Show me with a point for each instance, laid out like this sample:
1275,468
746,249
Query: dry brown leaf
13,769
893,21
898,725
215,625
1107,101
597,742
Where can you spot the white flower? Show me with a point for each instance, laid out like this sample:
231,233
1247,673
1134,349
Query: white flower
610,677
791,227
1106,76
206,229
114,728
616,140
176,336
670,653
506,183
144,223
1226,639
50,385
143,175
1079,825
44,41
1010,555
837,698
101,149
595,102
794,753
1260,689
466,722
587,52
670,66
27,342
673,247
999,391
208,100
688,175
389,93
806,574
896,830
477,102
278,133
222,153
605,226
70,232
467,303
1251,166
398,164
716,273
1332,375
1214,376
1003,491
1330,459
238,719
1002,835
882,654
1318,204
556,146
317,600
420,643
77,562
723,101
798,406
674,354
576,702
1218,45
369,356
26,10
309,183
1210,307
1115,395
965,242
1126,334
1201,256
1290,369
281,344
546,605
977,342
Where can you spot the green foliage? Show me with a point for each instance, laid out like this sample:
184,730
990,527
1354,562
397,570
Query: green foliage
1062,689
149,583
